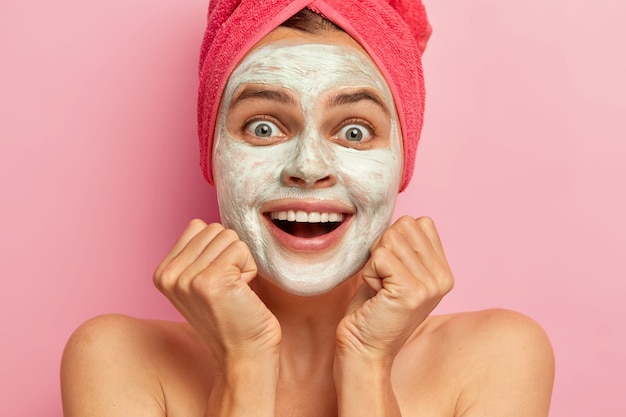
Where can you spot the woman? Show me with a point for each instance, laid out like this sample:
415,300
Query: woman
304,301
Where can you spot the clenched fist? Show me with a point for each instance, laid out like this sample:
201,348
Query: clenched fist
206,277
404,280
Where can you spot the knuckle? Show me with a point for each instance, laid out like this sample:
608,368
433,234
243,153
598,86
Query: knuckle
237,252
239,245
196,224
210,283
406,220
448,283
165,279
402,224
379,254
215,227
389,238
229,234
202,283
157,275
444,277
418,295
425,222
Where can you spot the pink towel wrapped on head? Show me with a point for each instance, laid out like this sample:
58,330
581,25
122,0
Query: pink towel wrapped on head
393,32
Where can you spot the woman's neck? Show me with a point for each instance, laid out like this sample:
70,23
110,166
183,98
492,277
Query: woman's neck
308,324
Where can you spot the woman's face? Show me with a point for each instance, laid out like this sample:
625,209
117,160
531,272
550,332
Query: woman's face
307,158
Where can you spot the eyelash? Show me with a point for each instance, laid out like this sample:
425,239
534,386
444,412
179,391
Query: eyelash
262,118
352,121
357,121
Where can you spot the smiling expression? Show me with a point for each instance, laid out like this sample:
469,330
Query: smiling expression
307,160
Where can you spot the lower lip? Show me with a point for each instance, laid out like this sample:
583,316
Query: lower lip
312,244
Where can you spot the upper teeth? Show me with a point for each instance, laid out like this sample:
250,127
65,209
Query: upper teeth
306,217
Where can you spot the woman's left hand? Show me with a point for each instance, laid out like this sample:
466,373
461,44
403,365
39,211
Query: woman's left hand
405,278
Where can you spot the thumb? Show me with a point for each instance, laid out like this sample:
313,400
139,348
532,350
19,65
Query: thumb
248,267
364,293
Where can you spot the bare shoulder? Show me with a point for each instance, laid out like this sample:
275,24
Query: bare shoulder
118,365
500,362
494,331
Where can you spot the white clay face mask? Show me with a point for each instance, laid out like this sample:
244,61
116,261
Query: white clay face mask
311,201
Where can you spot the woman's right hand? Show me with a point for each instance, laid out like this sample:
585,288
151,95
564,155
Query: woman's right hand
206,277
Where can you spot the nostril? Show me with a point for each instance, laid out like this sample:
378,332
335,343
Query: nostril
295,181
324,180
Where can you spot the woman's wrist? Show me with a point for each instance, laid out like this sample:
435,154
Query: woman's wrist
361,370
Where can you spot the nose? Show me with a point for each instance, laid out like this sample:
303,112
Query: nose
310,165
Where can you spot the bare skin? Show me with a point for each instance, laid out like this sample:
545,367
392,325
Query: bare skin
487,363
368,347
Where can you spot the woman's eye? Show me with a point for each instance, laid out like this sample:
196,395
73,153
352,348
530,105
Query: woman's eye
263,129
354,133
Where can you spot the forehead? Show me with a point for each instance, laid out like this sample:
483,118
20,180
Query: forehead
308,65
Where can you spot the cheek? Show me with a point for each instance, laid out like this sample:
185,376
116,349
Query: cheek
230,171
372,176
242,172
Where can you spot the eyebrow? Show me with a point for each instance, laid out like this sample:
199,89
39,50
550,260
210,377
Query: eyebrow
252,92
356,96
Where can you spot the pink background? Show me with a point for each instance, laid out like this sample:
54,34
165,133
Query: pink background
522,164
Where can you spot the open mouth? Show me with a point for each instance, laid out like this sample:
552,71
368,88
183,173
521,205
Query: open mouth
306,224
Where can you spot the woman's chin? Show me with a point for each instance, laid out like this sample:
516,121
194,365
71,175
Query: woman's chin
307,280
